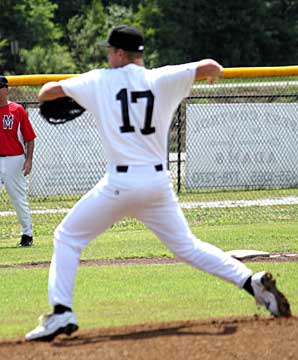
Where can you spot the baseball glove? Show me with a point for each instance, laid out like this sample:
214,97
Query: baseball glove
61,110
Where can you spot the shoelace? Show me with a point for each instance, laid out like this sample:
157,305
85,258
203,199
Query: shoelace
44,318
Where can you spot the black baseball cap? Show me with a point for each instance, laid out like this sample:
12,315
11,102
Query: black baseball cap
125,37
3,81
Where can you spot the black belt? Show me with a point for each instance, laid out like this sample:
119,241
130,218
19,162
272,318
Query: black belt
3,155
124,168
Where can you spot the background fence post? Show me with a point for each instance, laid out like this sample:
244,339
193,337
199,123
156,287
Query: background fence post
179,147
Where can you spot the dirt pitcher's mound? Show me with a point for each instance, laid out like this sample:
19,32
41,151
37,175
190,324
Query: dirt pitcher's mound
245,339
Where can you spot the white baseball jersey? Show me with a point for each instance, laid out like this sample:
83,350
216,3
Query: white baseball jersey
136,103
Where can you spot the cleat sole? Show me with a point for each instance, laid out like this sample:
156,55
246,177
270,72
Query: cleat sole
282,302
68,330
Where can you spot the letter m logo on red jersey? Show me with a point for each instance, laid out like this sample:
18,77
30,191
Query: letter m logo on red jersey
7,122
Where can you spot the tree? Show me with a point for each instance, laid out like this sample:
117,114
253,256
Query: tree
133,4
236,33
65,10
85,30
7,33
82,33
280,41
233,37
148,17
225,30
30,22
54,59
36,21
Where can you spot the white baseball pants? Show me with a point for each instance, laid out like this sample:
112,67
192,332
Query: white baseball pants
12,177
147,195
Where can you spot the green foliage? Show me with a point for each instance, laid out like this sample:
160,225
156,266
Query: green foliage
8,30
198,28
117,14
3,44
149,19
83,32
67,9
279,41
30,22
243,33
54,59
37,21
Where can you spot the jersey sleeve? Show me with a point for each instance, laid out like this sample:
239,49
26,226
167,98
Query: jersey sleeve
82,88
26,126
176,81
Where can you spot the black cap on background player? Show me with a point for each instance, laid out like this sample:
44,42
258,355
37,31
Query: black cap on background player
3,81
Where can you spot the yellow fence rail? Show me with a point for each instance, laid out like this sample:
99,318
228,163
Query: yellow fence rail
229,73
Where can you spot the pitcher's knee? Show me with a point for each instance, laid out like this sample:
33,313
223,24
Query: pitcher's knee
58,233
186,254
185,249
62,235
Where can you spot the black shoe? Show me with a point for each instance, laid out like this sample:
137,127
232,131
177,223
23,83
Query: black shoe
26,240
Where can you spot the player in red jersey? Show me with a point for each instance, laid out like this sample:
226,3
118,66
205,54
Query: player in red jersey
16,152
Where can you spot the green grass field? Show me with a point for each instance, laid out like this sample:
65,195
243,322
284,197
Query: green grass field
129,294
273,237
121,295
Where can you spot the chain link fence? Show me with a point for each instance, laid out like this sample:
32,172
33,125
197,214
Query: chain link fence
236,136
232,157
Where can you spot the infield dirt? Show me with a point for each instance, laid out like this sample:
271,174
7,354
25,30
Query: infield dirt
245,338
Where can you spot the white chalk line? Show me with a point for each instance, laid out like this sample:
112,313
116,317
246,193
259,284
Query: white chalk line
286,200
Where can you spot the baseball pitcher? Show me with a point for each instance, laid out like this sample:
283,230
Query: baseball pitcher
133,107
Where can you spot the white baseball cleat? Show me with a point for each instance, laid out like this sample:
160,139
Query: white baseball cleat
51,325
267,294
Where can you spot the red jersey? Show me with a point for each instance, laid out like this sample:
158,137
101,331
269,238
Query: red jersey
15,129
